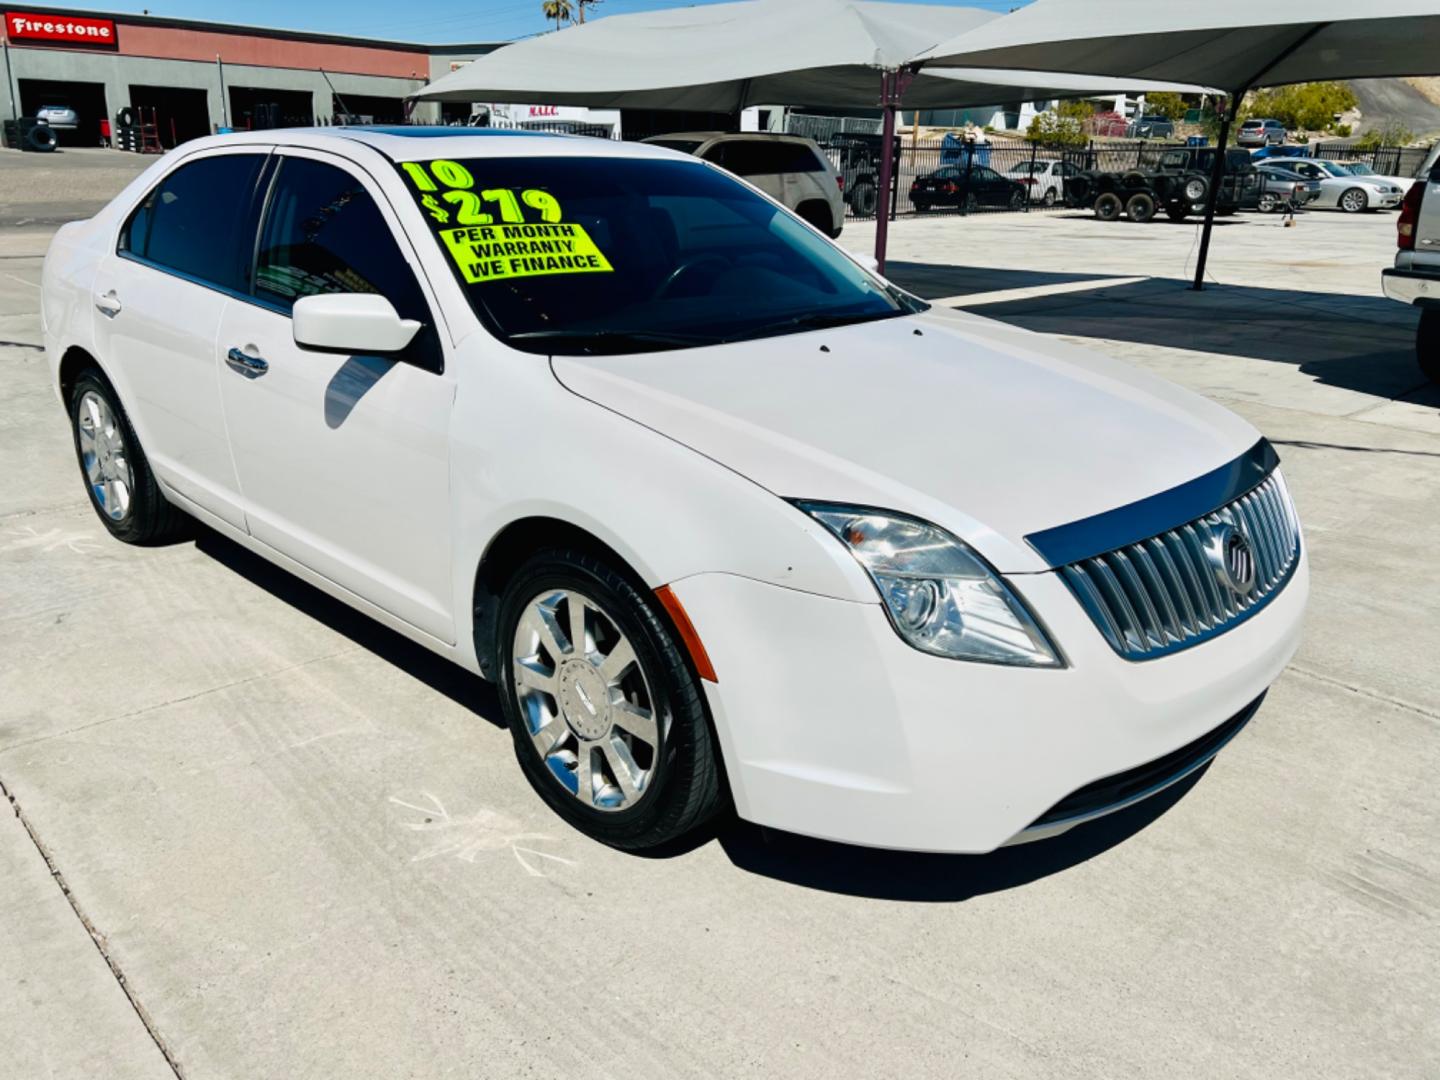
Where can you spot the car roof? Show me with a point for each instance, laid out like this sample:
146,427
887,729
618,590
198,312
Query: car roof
702,136
420,143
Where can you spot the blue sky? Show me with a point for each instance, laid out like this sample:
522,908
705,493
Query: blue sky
434,21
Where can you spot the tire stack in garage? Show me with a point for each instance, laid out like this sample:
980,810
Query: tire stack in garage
127,132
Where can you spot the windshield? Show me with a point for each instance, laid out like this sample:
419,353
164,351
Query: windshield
1332,169
585,255
1360,170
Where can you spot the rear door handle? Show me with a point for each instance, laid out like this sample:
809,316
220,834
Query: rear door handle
108,305
252,367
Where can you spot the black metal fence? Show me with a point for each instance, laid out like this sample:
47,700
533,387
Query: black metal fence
1402,161
953,176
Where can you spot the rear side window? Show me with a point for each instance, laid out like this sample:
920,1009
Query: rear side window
194,221
760,157
323,233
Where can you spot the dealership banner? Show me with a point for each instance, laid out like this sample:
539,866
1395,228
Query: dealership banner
69,29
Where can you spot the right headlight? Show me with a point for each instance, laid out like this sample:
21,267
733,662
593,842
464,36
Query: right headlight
941,597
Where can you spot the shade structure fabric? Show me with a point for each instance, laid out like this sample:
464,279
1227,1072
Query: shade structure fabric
1231,44
715,58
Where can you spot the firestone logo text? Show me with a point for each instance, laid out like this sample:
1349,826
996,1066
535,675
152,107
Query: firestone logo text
35,26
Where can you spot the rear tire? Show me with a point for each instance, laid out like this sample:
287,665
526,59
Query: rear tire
1049,199
1108,206
618,777
123,490
817,214
1140,208
1016,200
863,199
1427,343
1268,203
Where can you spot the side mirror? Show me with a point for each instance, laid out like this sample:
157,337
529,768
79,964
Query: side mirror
350,323
869,262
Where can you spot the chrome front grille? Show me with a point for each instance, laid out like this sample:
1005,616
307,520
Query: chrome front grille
1175,590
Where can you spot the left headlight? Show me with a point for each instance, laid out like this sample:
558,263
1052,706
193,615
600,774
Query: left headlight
941,597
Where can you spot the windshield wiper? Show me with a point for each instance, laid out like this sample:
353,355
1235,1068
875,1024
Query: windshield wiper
817,320
617,341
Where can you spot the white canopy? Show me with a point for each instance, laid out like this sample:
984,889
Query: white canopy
1233,44
725,57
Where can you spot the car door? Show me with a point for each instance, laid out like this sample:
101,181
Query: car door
1329,189
343,460
159,296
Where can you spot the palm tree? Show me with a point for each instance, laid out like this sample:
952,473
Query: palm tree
559,10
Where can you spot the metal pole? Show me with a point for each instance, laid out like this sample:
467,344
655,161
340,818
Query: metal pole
224,105
10,80
1030,188
887,164
1217,175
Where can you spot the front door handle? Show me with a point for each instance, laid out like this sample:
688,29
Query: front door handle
252,367
108,305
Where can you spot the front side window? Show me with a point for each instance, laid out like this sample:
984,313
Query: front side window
194,220
323,233
609,254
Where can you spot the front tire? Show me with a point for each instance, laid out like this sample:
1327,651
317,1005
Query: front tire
1427,343
122,488
606,712
1354,201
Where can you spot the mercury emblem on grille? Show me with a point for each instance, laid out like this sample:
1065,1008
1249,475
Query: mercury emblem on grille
1232,557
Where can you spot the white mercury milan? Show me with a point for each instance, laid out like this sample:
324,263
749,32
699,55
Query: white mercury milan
728,518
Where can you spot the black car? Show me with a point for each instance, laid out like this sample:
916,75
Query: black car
1152,127
957,186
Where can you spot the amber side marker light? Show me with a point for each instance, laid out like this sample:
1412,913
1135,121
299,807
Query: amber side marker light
696,648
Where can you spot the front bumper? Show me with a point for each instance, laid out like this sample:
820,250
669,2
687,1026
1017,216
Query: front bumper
1411,286
833,727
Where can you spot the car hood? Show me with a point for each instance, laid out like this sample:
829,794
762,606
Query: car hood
987,430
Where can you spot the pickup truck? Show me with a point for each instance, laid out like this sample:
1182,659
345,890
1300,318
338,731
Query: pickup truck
1415,277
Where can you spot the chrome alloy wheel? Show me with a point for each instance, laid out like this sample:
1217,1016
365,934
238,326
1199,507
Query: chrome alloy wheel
586,702
104,457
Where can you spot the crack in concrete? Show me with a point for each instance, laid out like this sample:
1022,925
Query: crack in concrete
258,677
96,937
1365,691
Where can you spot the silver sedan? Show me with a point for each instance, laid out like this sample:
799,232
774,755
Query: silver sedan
1343,190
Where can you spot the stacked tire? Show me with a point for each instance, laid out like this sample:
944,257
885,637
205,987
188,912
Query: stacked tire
31,134
127,132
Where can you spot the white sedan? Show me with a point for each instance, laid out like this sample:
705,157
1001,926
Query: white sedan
728,518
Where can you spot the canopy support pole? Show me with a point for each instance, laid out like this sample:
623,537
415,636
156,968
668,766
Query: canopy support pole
1217,173
892,88
1217,177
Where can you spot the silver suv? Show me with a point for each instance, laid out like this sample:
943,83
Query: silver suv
1415,278
790,169
1261,133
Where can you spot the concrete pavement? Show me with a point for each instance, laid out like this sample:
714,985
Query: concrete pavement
306,845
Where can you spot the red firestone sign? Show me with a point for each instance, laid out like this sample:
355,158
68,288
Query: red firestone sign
74,29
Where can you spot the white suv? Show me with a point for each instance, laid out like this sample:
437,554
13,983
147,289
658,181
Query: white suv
789,168
1415,278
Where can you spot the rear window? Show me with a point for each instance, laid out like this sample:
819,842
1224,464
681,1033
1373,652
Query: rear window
178,226
685,146
760,157
589,255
